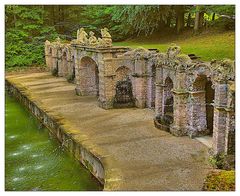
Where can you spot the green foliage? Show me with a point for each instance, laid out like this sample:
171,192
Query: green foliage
25,35
220,181
28,26
137,19
217,161
208,46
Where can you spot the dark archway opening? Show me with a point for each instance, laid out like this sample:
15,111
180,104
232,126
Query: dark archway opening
209,98
123,90
203,110
168,102
89,76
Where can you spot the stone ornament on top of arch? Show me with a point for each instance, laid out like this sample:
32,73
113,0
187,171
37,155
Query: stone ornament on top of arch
92,41
223,70
174,58
139,53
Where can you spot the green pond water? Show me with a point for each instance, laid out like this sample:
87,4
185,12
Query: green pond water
36,161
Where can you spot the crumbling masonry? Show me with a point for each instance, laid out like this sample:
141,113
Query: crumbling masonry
190,97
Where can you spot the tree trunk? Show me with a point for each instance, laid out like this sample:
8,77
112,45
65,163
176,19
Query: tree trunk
196,22
179,19
199,18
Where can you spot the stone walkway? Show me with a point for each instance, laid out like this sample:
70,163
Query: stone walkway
146,158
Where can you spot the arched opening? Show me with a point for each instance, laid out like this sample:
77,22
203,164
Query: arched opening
89,77
123,89
153,86
202,105
64,64
168,101
73,68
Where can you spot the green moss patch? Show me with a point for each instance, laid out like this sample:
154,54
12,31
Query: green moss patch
220,181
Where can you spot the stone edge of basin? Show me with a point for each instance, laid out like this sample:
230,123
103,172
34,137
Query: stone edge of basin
102,166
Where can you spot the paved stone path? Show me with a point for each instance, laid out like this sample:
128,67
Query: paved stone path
146,158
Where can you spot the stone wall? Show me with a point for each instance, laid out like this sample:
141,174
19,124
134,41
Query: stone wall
81,153
171,83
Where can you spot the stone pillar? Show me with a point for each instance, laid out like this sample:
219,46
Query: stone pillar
230,132
219,122
158,100
180,109
77,74
230,120
179,126
140,82
159,92
140,91
106,81
60,63
197,113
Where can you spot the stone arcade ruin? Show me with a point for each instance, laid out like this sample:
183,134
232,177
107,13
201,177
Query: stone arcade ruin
190,97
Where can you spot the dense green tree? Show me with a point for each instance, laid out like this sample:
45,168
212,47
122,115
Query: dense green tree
28,26
25,35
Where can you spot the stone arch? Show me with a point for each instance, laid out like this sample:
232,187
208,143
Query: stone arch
202,69
169,76
123,88
201,106
122,73
88,76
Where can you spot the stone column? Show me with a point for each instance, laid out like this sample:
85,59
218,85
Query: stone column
179,126
106,97
159,92
197,113
219,122
140,91
60,63
159,100
140,82
230,132
77,74
106,83
230,119
180,100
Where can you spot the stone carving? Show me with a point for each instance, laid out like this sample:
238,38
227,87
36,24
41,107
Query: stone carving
173,51
140,53
174,58
92,39
58,40
223,70
82,37
47,42
106,40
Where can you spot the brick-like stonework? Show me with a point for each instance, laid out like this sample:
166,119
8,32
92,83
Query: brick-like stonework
189,97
